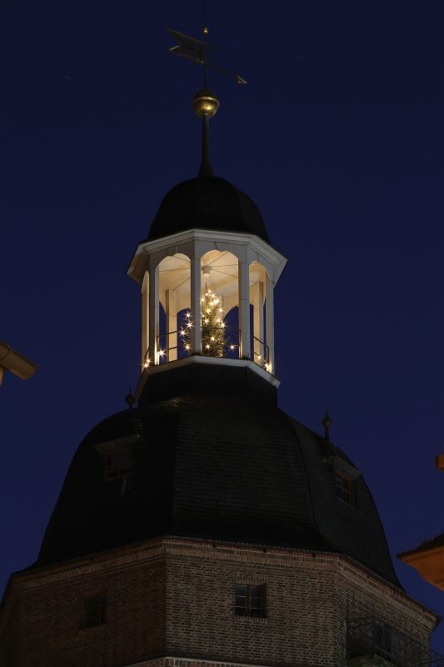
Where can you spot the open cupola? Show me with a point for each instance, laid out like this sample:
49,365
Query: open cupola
207,286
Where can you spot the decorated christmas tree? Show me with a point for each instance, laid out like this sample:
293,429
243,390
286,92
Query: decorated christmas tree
214,340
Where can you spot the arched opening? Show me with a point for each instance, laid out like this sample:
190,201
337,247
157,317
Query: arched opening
174,298
231,317
259,347
219,294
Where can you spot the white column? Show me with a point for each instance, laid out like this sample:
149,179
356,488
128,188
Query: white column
171,319
154,313
196,332
269,324
244,309
257,294
145,319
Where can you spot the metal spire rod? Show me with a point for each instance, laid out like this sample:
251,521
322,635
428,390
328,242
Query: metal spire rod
205,31
205,102
326,423
204,14
205,166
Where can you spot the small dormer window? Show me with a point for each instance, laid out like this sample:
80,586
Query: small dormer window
345,477
345,487
117,464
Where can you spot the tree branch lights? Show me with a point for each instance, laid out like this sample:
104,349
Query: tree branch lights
214,340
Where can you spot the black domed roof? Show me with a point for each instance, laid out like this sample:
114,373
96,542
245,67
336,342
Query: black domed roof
219,461
207,202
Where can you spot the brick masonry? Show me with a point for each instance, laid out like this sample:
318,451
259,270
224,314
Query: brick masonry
170,603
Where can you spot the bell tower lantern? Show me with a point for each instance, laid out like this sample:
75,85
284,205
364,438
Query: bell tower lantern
207,272
207,291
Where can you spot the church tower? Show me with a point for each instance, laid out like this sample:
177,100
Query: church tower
203,526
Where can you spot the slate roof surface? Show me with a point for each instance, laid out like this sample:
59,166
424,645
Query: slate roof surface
207,202
214,464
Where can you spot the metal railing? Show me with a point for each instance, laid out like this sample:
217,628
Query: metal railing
173,345
371,636
259,352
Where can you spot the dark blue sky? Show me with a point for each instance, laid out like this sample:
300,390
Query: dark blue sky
339,139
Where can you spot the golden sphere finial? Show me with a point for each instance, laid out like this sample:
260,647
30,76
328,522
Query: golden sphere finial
205,104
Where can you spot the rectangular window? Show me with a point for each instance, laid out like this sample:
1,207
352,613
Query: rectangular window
250,600
94,610
345,487
118,464
383,640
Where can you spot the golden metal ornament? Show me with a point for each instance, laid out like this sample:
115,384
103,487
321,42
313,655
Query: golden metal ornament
205,104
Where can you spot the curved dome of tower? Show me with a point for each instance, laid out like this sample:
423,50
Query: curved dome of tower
214,458
207,202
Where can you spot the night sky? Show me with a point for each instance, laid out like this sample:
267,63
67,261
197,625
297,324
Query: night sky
339,139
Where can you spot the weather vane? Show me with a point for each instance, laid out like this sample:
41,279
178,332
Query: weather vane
197,51
205,102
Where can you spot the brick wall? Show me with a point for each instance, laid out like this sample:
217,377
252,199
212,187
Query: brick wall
175,598
310,597
52,613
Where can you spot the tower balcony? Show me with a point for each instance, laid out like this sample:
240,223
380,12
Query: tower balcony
217,342
215,278
373,643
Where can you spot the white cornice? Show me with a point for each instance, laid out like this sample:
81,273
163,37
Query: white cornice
170,245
